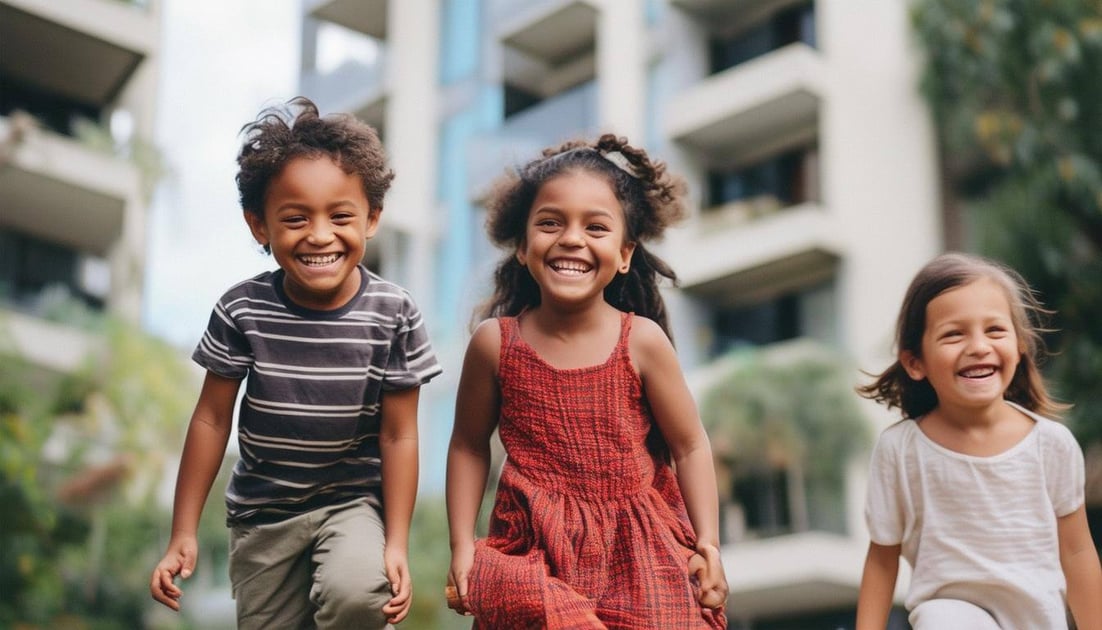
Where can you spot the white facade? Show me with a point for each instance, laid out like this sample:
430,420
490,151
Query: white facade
67,196
837,104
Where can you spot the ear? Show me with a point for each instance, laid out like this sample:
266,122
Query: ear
913,365
373,215
522,256
626,251
257,227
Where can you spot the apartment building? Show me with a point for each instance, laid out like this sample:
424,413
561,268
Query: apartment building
77,94
809,153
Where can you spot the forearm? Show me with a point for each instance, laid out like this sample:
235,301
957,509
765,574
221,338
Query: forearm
874,601
696,476
204,450
399,469
1084,580
466,482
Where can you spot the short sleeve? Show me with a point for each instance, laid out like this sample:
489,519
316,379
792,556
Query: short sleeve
1064,469
224,348
411,361
884,510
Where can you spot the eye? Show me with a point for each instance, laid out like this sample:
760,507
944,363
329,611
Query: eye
343,217
598,227
546,223
997,331
293,220
951,335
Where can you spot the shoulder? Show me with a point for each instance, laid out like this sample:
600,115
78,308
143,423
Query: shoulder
1053,434
896,437
485,343
258,285
648,337
386,296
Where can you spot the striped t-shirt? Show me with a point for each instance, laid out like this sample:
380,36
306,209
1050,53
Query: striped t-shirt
308,427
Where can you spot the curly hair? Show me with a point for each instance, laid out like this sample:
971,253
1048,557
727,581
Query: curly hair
652,200
895,388
279,135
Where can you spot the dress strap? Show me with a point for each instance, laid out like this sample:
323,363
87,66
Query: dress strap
626,318
510,333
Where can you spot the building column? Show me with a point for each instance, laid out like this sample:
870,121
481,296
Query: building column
412,134
622,69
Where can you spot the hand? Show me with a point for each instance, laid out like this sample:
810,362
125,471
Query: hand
401,586
456,590
705,565
183,550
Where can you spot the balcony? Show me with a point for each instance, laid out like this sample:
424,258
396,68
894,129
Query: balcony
724,10
50,347
552,32
84,50
745,262
355,87
548,47
366,16
764,101
57,189
569,115
794,574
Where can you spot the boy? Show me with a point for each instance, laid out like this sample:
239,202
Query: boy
333,357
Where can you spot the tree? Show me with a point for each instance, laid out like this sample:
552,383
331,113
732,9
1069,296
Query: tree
1015,90
81,458
789,409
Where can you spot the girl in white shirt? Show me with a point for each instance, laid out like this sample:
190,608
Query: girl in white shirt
975,487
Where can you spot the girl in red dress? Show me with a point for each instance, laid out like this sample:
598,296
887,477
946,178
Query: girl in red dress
591,527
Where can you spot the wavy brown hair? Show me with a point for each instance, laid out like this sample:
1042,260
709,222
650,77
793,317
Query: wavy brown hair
296,129
652,200
895,388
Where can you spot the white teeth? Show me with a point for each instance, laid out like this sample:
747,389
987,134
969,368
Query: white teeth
570,267
978,372
320,260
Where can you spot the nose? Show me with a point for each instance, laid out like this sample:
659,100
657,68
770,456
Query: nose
321,233
978,345
572,236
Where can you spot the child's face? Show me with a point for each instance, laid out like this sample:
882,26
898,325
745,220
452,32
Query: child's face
317,220
575,241
970,349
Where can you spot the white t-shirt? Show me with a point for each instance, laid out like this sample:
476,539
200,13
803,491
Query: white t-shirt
980,529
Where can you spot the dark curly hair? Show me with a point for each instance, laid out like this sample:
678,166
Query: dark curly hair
280,134
652,199
895,388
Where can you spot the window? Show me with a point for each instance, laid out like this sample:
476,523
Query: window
788,178
795,24
29,265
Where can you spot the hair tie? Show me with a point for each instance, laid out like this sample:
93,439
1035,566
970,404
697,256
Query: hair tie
621,162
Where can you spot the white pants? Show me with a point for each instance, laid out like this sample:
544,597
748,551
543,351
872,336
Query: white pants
951,614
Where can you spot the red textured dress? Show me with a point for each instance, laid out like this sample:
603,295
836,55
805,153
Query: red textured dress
588,529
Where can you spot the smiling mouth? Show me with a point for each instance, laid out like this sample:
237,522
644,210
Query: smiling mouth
978,372
319,260
570,267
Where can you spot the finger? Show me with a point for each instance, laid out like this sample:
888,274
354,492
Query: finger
697,564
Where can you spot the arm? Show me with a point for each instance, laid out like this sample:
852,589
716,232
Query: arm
476,414
1079,560
204,447
398,452
677,418
874,601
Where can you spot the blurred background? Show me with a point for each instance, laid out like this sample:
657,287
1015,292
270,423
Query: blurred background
831,148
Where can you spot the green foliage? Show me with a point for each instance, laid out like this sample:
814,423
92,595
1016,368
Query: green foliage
788,407
429,559
73,553
1015,91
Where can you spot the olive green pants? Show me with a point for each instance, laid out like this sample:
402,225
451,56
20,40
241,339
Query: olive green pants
323,569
